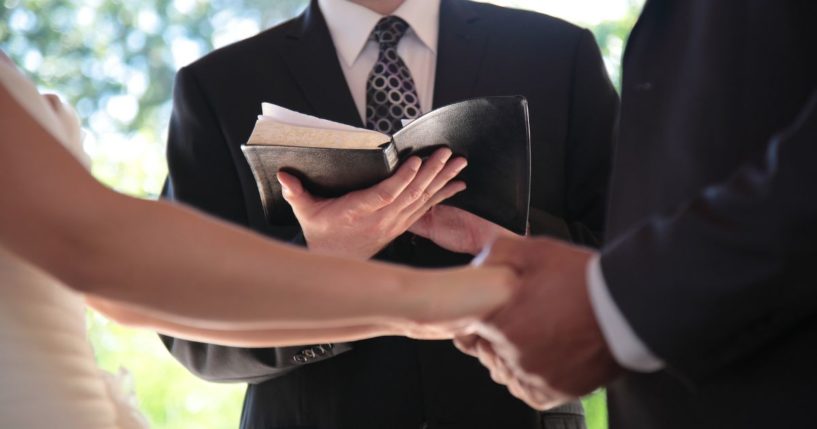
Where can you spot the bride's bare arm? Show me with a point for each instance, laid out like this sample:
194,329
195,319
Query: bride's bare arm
282,337
172,262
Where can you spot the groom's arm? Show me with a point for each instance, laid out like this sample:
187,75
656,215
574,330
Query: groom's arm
202,173
730,272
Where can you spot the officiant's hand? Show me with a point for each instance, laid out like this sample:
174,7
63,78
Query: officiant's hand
361,223
458,230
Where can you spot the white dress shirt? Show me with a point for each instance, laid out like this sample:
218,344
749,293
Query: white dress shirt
351,25
628,350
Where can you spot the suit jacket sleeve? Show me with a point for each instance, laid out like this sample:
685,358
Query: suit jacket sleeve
593,118
730,271
203,174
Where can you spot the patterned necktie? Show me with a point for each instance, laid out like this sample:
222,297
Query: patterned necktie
390,92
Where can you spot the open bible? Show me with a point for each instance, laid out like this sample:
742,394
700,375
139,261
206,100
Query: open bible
331,159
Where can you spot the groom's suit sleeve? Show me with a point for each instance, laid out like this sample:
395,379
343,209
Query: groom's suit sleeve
731,271
203,174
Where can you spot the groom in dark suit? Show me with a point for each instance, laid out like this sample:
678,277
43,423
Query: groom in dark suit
317,64
706,292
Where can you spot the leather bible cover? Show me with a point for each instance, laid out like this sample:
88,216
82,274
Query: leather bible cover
492,133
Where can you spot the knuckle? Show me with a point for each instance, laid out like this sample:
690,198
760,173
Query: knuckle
416,193
425,196
497,376
384,197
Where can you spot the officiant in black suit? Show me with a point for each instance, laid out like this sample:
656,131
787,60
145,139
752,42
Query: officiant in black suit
324,63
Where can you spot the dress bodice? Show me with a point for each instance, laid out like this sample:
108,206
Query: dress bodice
48,374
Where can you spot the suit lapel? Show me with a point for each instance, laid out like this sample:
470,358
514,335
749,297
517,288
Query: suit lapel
460,51
313,62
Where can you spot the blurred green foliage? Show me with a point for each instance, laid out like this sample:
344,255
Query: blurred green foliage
168,395
114,60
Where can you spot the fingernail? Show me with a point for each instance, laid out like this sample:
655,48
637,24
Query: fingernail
284,188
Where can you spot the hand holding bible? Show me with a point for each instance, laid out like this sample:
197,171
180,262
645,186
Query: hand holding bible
360,223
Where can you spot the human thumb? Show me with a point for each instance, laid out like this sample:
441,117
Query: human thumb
292,190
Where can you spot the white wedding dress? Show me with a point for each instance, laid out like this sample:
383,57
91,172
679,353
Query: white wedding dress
48,375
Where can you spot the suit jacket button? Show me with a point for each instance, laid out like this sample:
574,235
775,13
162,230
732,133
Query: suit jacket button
299,358
309,353
320,350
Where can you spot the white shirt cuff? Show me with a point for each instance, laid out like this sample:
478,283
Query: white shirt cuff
627,349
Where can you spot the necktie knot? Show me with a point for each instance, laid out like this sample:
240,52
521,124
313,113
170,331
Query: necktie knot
389,30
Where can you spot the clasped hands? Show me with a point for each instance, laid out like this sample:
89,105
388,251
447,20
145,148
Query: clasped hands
544,343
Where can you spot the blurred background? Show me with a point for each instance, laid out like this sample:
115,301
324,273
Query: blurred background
114,60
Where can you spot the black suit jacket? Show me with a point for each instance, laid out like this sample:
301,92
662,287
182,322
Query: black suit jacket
391,382
713,220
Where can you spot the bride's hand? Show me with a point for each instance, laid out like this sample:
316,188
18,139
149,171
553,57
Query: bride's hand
445,303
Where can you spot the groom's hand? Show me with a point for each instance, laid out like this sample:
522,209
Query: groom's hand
359,224
545,344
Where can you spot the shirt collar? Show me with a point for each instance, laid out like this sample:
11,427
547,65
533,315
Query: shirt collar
351,24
